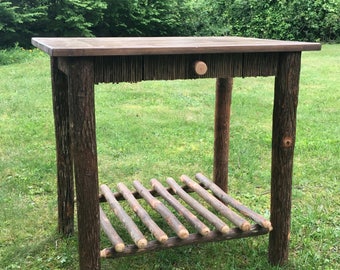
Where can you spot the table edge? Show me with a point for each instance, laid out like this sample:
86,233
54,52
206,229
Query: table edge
287,46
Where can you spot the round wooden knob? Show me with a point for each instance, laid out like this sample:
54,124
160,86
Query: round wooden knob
200,67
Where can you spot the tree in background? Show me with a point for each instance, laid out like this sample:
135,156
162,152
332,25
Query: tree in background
8,17
27,18
308,20
17,19
315,19
146,18
74,17
212,17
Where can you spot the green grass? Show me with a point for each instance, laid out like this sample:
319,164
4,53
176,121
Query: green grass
159,129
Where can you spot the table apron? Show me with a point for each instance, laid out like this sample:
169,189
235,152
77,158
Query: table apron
171,67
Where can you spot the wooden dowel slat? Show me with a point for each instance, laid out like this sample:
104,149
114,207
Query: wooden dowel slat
240,222
120,197
159,234
190,217
212,218
233,202
169,217
128,223
111,233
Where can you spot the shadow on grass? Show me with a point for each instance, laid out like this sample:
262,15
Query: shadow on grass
53,252
234,254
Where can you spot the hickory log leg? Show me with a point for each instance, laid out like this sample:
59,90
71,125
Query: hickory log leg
82,119
222,122
283,141
65,184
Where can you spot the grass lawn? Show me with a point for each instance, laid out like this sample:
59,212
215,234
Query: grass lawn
159,129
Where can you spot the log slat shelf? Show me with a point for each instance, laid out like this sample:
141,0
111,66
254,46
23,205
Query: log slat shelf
77,64
206,216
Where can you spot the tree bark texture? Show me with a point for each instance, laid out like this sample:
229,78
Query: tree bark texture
82,123
65,184
283,141
222,122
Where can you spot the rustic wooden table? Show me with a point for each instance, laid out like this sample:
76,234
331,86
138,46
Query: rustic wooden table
77,64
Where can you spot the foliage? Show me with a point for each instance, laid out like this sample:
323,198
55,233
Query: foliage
280,19
316,19
18,55
211,18
8,17
51,18
17,19
74,17
308,20
145,18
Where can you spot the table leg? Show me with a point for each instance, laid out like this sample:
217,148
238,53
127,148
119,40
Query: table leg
222,122
284,130
82,116
65,182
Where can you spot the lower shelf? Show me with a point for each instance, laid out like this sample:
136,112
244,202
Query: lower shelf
206,209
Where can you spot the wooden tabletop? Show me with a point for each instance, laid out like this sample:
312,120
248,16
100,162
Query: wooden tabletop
165,45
